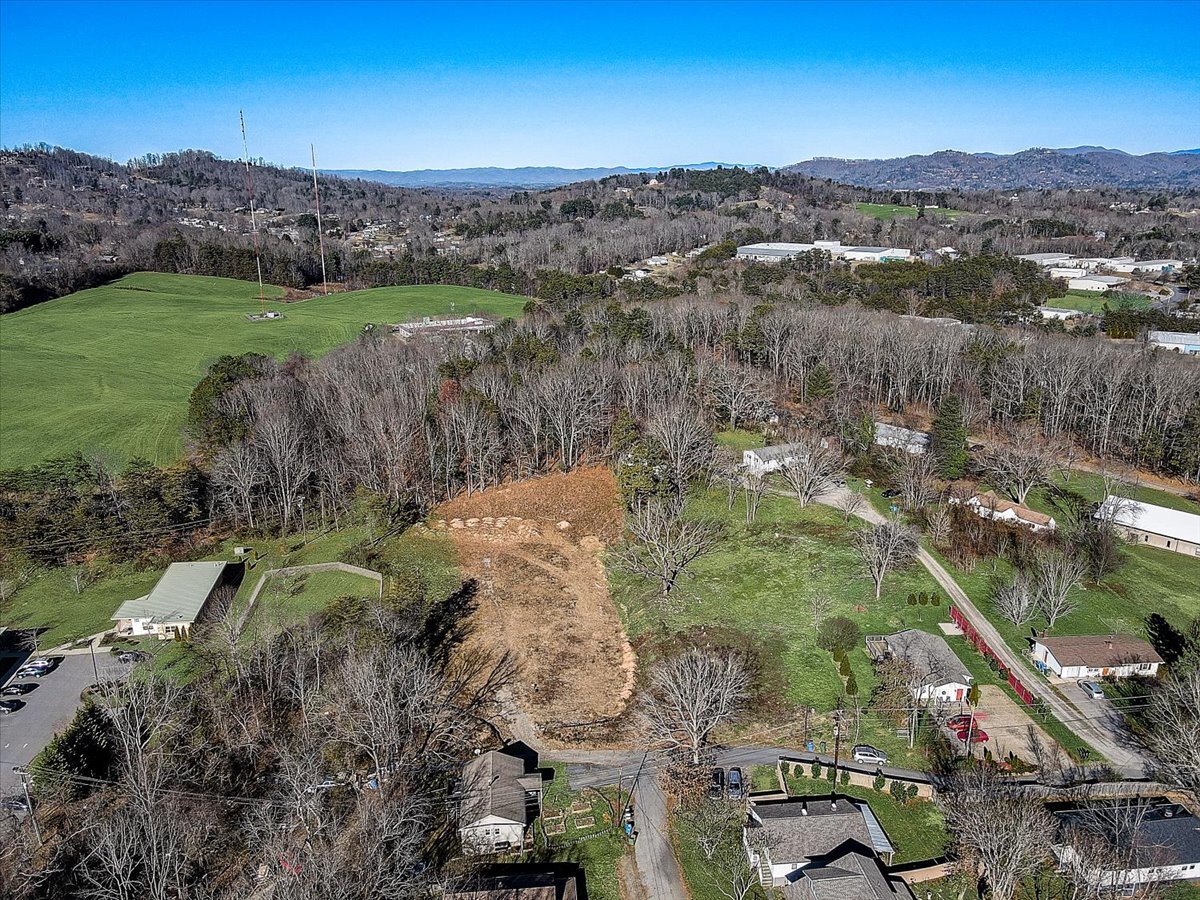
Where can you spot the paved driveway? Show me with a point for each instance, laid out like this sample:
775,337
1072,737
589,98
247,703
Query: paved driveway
47,710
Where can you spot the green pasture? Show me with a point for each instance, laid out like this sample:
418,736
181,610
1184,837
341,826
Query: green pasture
889,211
110,369
1095,304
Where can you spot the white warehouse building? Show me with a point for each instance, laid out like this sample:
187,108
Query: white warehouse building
1096,283
1177,341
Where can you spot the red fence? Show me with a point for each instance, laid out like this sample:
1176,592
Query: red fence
982,646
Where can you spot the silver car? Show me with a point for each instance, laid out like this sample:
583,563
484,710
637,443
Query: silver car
1092,689
865,753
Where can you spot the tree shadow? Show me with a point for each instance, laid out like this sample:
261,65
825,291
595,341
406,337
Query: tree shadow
447,624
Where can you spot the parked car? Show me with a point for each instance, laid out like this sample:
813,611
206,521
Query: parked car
977,735
18,690
960,723
1092,689
32,672
8,707
865,753
891,493
132,656
716,790
734,784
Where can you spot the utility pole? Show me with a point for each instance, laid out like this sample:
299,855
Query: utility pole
95,668
262,297
837,745
24,773
320,234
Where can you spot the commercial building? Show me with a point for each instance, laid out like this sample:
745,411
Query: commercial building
773,251
1096,656
1148,266
1046,260
776,252
1154,526
431,327
1097,283
1176,341
1056,312
178,601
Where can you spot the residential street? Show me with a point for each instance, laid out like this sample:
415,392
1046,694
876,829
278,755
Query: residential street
1105,733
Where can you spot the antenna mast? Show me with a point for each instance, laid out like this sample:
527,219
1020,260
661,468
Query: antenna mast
320,233
262,297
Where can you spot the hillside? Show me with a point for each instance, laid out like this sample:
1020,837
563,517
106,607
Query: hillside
1077,167
111,368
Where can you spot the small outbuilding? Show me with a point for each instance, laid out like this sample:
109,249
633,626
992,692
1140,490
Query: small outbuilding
897,438
1096,656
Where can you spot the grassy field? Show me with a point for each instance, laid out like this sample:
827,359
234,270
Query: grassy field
1091,302
111,368
1090,487
759,582
889,211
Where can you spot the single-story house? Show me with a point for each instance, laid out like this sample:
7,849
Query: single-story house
1097,283
783,838
1096,656
1166,844
1176,341
519,881
905,439
990,505
501,796
179,600
1155,526
769,459
944,678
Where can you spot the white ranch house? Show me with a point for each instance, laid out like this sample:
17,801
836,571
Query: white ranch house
1096,656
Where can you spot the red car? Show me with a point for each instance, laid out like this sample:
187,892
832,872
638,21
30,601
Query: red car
960,723
978,736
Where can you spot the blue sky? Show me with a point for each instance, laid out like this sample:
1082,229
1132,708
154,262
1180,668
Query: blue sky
401,86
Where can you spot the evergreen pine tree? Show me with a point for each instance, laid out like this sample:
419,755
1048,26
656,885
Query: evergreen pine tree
949,438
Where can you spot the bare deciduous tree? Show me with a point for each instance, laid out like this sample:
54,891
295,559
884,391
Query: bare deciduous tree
1016,600
1002,831
690,696
754,488
1174,729
885,546
1019,465
685,440
665,543
916,476
819,606
851,504
1055,576
812,469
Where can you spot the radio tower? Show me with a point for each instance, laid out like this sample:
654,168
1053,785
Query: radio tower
320,233
262,297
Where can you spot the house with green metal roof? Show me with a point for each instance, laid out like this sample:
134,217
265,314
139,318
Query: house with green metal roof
177,601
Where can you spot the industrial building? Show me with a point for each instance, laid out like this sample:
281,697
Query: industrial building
1176,341
1096,283
775,252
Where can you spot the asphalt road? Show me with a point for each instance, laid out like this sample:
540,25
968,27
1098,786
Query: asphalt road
47,710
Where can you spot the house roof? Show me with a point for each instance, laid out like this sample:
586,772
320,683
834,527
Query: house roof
895,434
777,451
1169,835
796,830
178,596
930,655
1171,523
846,875
494,784
1099,651
519,886
997,504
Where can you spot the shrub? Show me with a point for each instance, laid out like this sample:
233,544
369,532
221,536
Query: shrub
816,770
912,599
851,686
923,599
845,779
830,774
935,600
839,633
880,782
912,792
898,790
844,668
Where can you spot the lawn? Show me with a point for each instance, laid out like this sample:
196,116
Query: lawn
1090,487
916,828
759,582
1094,303
889,211
293,598
111,368
739,440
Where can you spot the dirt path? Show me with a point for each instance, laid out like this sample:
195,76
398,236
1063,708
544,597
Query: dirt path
535,549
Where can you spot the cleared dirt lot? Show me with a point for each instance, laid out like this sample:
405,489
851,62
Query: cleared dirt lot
1007,725
534,548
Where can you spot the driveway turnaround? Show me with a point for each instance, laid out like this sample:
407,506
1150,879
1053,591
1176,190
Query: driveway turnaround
47,710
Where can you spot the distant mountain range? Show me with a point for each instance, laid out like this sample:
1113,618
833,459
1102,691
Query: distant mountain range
524,177
1071,167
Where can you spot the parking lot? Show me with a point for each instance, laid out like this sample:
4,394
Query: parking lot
47,710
